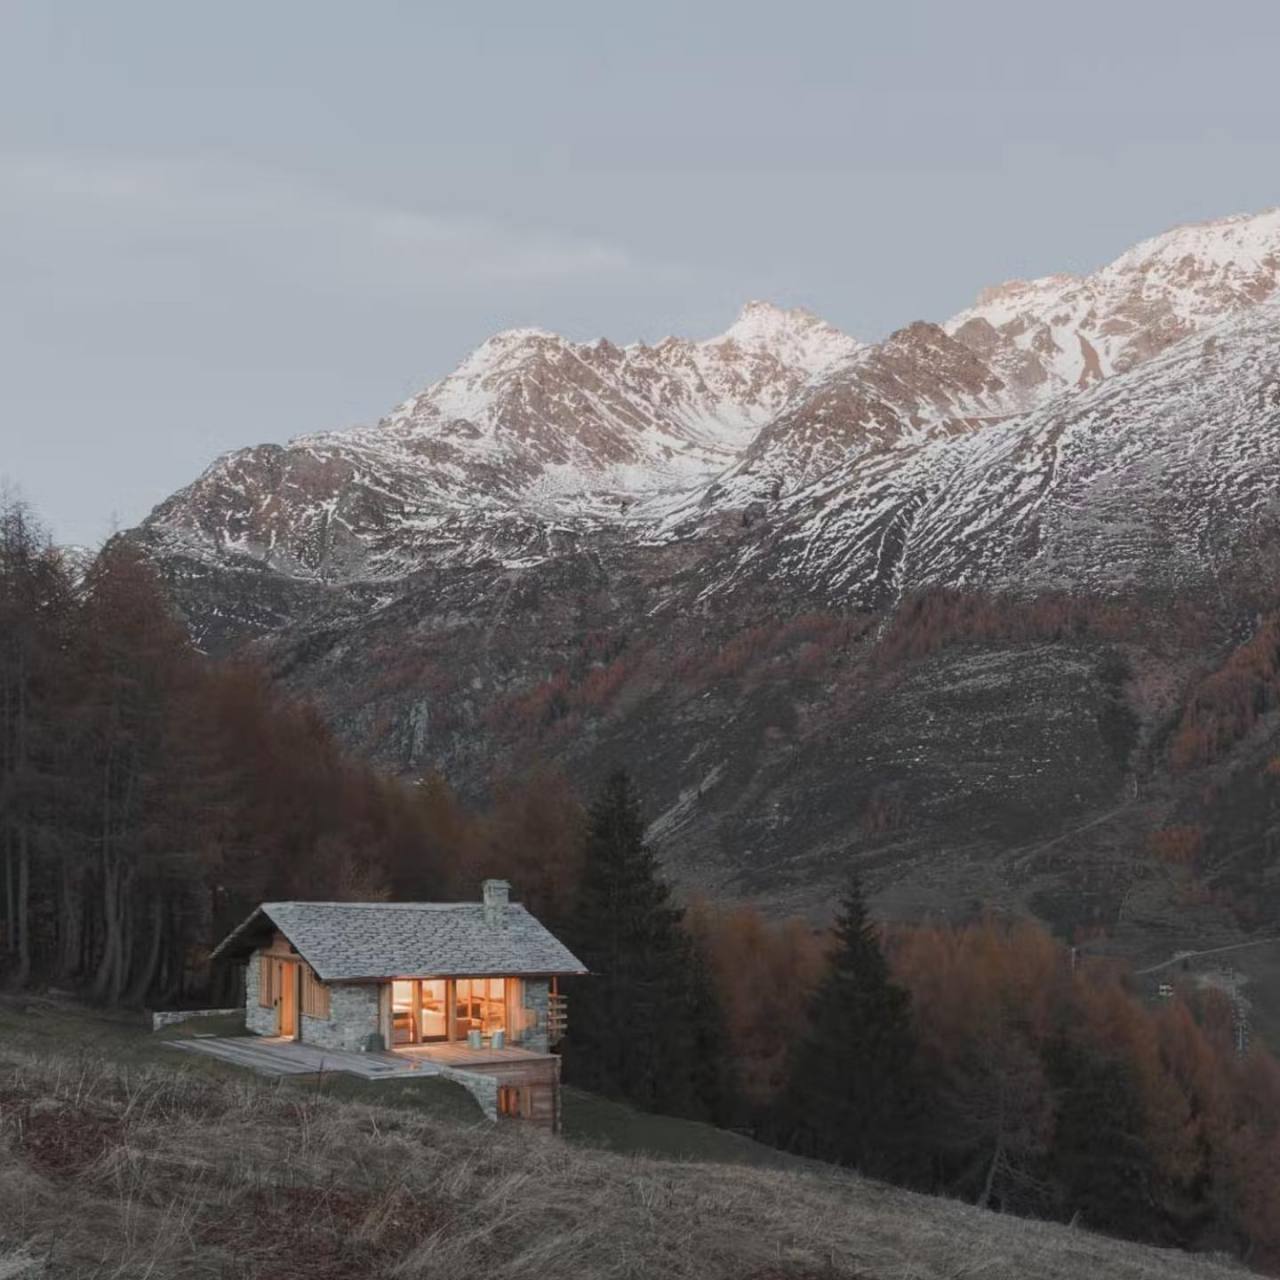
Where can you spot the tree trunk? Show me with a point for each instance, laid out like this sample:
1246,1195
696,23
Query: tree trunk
105,978
124,941
984,1200
10,877
69,927
23,974
997,1156
10,894
145,978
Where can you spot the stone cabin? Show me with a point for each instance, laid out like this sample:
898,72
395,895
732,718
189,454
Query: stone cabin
467,986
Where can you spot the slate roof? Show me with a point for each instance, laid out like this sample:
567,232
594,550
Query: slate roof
342,941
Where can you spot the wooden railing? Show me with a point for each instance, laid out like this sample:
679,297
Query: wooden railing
557,1018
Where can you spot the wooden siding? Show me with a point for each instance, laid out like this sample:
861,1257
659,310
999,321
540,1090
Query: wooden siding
275,969
270,980
315,995
528,1090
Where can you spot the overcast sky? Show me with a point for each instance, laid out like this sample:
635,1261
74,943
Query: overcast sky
224,223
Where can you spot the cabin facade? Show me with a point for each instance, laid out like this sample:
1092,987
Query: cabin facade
469,987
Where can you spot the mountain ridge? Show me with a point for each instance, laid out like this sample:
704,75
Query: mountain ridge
915,606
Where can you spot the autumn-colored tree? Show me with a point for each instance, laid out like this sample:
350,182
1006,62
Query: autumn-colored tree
1225,705
533,837
982,999
149,797
35,612
766,972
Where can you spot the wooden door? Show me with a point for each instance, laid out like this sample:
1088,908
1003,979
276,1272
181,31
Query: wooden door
287,1009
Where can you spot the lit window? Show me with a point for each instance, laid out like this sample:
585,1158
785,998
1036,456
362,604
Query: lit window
481,1005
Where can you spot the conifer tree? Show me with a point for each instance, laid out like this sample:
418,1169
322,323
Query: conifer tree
714,1080
1099,1159
638,1024
849,1096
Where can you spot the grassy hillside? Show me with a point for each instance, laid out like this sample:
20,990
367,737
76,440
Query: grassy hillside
121,1158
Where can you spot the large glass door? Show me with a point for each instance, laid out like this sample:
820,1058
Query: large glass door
427,1010
480,1004
419,1010
433,1010
404,1029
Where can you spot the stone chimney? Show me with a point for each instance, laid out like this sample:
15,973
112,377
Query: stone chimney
496,894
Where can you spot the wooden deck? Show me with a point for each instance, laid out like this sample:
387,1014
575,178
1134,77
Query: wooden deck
462,1058
271,1056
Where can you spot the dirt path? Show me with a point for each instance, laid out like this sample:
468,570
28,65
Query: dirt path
1195,955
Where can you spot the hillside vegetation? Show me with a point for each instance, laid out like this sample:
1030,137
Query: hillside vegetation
149,797
114,1162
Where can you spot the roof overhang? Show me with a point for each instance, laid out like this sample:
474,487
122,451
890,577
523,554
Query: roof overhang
468,973
249,936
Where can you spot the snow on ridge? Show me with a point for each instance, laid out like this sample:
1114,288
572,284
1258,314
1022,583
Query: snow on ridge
599,412
532,428
1243,241
1143,478
1066,331
794,334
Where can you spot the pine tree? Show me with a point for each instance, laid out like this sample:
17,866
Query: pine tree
638,1023
849,1096
1099,1159
714,1081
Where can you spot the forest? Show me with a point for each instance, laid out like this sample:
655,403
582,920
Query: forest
150,796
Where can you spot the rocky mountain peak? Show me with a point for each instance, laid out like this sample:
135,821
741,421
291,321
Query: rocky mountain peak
1243,246
1061,332
793,335
1014,292
533,431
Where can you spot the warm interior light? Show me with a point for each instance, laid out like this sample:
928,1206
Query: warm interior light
481,1005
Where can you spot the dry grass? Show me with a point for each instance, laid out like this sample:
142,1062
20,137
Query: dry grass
114,1168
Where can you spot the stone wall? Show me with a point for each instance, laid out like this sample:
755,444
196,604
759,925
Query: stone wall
353,1013
537,1000
353,1018
171,1017
484,1089
262,1022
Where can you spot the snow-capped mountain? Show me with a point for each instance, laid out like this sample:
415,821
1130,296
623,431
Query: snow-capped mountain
921,446
1063,332
691,557
530,429
917,385
1152,479
570,418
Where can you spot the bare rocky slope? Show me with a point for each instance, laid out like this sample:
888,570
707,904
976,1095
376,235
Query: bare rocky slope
931,606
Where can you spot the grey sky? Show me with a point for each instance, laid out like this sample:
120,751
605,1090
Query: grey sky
234,222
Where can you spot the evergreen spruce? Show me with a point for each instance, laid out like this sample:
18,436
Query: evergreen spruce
645,1025
714,1080
1100,1159
849,1097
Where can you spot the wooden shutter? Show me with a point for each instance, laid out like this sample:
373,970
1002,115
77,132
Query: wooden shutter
266,981
315,995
